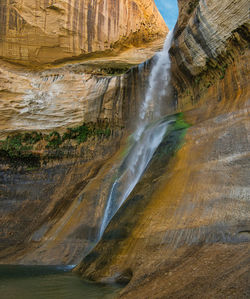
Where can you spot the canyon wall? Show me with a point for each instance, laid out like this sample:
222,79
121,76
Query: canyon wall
209,36
52,196
184,231
106,39
39,32
56,99
61,125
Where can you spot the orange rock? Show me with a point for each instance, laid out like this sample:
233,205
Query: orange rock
47,31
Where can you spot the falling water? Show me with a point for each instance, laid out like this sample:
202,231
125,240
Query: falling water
147,137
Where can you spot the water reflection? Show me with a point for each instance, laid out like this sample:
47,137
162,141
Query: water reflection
47,282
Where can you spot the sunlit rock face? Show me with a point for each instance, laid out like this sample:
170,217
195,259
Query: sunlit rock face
41,32
110,38
51,213
38,32
40,206
56,99
184,231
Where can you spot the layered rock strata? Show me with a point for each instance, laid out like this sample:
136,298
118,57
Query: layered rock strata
51,167
39,32
184,231
56,99
208,37
60,125
47,214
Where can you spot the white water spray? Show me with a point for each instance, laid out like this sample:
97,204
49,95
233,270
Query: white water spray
146,138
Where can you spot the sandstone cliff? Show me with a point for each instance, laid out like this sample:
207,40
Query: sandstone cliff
38,32
209,36
52,195
184,231
60,125
58,98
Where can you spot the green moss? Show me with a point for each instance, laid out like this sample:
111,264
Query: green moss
14,145
54,140
180,123
174,137
107,68
172,141
114,71
32,138
83,132
223,70
18,148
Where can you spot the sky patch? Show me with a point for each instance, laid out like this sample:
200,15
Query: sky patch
169,11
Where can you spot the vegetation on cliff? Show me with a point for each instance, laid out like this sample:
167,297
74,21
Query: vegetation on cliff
30,148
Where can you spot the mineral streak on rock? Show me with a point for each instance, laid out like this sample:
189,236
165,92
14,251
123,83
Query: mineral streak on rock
208,36
181,233
102,90
47,31
184,230
56,99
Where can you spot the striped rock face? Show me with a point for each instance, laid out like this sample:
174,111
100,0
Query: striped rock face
184,230
44,31
208,36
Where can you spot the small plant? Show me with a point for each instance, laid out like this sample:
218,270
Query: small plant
54,140
14,145
197,79
17,149
223,69
83,134
32,138
180,123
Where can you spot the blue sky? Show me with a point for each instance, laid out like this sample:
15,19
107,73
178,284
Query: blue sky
169,11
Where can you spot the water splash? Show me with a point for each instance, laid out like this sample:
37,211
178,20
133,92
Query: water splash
147,137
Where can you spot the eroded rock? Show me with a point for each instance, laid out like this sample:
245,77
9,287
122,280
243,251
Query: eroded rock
40,32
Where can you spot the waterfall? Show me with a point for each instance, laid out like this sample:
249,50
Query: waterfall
150,130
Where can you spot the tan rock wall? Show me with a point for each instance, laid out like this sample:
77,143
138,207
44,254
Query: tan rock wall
181,229
49,215
46,31
56,99
180,232
208,36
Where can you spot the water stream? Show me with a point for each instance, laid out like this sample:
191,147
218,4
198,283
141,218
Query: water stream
150,130
28,282
45,282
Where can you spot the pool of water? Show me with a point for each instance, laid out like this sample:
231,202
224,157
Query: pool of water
47,282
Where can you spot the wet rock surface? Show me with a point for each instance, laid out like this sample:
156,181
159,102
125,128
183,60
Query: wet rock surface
45,216
184,230
181,232
50,206
55,99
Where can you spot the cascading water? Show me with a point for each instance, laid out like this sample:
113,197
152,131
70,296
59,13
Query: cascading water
147,137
